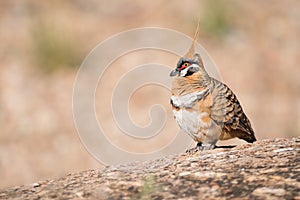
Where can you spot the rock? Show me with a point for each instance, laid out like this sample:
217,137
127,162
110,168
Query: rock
267,169
269,193
184,173
35,184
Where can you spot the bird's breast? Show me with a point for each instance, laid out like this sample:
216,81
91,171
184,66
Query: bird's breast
186,111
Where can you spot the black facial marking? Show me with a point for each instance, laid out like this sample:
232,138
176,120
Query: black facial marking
181,61
188,73
184,60
179,67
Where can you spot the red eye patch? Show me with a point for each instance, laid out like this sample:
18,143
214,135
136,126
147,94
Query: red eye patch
184,65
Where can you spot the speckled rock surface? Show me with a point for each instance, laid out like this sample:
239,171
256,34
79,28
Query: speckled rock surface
267,169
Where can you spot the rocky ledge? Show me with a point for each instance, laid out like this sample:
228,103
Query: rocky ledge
267,169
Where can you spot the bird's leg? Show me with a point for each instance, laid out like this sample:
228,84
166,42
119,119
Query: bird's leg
194,149
201,147
207,146
212,146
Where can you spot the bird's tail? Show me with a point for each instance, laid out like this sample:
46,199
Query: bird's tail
246,136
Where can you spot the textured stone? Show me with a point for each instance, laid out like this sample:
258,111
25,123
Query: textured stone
267,169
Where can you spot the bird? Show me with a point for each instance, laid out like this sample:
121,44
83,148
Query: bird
204,107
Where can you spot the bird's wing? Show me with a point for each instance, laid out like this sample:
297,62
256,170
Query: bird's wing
226,111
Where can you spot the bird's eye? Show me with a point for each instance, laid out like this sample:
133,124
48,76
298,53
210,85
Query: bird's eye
184,65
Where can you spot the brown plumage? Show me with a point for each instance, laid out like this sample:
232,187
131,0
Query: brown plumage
204,107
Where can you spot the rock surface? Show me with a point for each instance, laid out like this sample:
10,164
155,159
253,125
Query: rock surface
267,169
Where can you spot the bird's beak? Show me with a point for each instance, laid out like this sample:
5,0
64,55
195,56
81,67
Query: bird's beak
174,72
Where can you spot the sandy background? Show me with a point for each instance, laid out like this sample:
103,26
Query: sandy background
255,45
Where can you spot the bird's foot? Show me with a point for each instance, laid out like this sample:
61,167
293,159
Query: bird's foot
201,147
208,146
194,149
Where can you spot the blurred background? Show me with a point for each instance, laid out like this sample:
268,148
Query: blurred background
255,45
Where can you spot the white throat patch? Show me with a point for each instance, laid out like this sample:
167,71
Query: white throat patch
188,100
184,72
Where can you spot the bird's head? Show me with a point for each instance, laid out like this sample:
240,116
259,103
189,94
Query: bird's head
191,62
187,66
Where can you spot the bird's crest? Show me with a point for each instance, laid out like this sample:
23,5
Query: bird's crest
191,51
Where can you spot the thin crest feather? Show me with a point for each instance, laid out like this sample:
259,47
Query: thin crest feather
191,51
